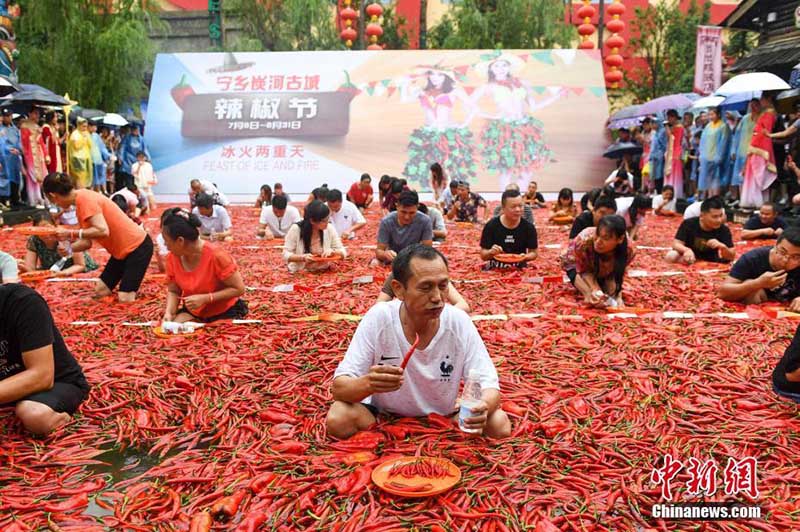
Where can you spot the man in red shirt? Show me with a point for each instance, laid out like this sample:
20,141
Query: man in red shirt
361,193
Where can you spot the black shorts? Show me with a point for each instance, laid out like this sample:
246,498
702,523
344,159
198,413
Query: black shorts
130,271
62,397
238,311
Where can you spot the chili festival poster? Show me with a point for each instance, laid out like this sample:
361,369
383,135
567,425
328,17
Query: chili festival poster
491,117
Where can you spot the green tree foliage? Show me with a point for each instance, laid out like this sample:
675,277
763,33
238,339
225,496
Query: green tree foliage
503,24
73,46
285,25
740,43
666,38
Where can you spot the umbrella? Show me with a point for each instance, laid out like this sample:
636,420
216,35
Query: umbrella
7,86
708,101
786,100
754,81
34,95
632,111
113,119
625,123
88,114
665,103
618,149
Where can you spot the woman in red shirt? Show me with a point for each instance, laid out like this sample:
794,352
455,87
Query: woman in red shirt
201,276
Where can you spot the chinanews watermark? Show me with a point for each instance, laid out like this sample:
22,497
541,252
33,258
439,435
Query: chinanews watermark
739,478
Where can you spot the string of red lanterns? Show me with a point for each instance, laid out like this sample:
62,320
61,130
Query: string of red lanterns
373,29
348,15
614,43
586,29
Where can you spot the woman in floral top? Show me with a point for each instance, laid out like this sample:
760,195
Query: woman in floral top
43,253
596,259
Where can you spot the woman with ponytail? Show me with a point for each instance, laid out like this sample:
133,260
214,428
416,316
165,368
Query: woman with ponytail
595,261
99,219
201,276
313,236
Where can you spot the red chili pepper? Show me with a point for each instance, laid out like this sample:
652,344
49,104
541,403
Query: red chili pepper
75,502
227,507
410,352
201,522
181,91
252,522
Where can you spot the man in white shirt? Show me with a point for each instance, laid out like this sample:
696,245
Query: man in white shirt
345,216
370,379
202,186
693,210
276,219
216,223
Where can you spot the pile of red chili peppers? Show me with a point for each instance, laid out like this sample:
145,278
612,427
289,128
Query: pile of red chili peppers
234,418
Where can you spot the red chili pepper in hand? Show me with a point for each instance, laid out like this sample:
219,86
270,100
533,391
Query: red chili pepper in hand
410,352
73,503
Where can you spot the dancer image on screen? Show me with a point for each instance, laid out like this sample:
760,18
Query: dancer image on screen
442,139
512,140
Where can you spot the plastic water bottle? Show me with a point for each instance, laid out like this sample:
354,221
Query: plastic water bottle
58,266
470,398
212,236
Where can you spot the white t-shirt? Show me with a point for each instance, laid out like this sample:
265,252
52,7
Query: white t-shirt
623,208
219,221
670,206
209,188
437,219
693,210
433,375
347,217
279,226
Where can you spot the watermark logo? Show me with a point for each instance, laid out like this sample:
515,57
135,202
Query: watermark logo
739,477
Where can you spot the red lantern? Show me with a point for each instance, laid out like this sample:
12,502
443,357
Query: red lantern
614,60
613,77
616,9
586,45
615,25
374,47
373,30
374,10
348,13
348,34
586,29
586,12
615,41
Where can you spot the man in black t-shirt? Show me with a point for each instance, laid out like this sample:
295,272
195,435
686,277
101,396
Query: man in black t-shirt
37,371
764,224
767,274
786,375
603,206
703,238
509,233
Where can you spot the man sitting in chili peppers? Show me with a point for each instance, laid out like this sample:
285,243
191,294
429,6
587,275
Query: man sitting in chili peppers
370,379
768,273
786,375
37,371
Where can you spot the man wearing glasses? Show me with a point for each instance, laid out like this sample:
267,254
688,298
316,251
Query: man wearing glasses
769,273
277,218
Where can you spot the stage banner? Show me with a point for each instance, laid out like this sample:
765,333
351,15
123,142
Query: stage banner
708,60
307,118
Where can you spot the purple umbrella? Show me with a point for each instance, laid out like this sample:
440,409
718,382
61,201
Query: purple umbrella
665,103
